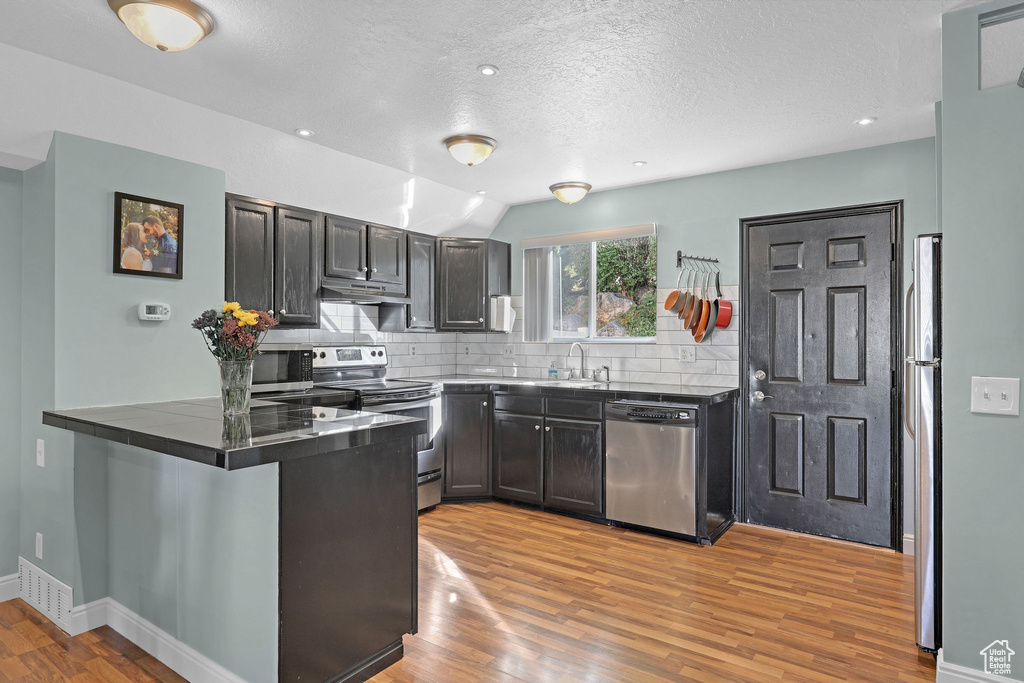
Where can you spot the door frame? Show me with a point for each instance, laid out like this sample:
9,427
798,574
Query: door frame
896,352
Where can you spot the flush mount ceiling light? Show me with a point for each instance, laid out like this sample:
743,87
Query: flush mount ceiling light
639,163
488,69
866,121
570,193
481,191
470,149
167,25
304,132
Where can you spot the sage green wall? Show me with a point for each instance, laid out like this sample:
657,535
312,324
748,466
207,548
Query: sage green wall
188,548
700,215
983,467
10,369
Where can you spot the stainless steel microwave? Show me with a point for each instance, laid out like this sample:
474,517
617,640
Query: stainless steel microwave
283,367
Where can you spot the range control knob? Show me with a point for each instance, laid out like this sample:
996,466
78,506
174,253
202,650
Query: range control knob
323,355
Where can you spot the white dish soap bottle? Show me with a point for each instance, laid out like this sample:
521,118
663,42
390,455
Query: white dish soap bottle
552,371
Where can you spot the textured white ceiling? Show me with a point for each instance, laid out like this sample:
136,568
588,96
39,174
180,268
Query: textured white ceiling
586,86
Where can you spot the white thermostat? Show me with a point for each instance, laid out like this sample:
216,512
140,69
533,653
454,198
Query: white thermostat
154,311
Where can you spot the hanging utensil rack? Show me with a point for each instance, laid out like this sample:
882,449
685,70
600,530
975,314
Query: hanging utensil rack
680,257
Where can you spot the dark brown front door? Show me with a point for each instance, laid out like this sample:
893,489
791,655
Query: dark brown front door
819,326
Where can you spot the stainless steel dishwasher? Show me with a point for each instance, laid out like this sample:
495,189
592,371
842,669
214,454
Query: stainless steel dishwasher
650,468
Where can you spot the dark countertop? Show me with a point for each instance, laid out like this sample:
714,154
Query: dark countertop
575,389
196,430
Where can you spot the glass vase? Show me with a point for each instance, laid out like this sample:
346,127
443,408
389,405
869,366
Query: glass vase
235,386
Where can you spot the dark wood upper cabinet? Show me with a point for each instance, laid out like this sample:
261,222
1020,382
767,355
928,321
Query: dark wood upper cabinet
272,257
364,257
422,310
386,255
518,460
345,254
467,445
249,262
296,267
469,272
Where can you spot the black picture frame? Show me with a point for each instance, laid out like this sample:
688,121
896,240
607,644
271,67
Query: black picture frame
145,250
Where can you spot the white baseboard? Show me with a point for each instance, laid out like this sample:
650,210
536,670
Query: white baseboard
908,544
8,587
954,673
187,662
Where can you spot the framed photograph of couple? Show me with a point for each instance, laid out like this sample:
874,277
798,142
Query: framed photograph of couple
147,236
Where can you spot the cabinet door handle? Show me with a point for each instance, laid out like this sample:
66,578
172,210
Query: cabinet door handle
481,320
485,404
414,318
547,429
284,312
375,270
537,427
363,269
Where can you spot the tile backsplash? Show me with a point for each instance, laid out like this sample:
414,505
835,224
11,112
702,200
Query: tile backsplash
421,354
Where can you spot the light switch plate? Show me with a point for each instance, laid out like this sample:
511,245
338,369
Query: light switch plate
995,395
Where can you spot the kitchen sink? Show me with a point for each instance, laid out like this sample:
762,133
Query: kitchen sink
575,384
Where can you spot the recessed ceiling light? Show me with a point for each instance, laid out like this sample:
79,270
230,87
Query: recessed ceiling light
481,191
304,132
488,69
866,121
639,163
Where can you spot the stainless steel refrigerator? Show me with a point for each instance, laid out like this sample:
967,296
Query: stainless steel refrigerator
924,418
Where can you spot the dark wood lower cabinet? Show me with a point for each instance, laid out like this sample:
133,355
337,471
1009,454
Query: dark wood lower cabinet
518,457
467,445
540,456
573,459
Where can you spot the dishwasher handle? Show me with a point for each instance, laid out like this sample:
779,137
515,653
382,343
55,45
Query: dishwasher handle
651,413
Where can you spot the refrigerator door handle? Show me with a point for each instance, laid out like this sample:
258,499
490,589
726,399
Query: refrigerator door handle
908,341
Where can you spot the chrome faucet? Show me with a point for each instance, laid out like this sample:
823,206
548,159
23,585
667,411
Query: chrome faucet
583,355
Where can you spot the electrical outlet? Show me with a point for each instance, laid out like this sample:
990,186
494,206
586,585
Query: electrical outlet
687,354
467,351
412,349
39,545
40,453
508,352
995,395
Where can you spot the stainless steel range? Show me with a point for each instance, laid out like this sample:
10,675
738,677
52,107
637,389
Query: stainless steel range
361,370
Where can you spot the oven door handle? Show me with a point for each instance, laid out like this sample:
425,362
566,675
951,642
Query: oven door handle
427,478
399,405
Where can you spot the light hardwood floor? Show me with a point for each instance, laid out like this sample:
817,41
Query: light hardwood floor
511,594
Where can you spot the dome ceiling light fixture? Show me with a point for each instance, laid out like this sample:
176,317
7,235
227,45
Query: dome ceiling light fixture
488,69
866,121
167,25
570,193
470,149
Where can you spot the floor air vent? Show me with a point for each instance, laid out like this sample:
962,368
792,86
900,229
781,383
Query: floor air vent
45,593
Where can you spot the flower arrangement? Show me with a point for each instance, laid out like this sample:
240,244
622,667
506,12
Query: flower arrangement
235,333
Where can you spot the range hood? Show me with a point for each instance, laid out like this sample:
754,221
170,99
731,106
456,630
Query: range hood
353,293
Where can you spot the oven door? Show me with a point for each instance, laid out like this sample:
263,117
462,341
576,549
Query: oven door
428,445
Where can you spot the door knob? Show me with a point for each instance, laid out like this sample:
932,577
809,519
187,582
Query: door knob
363,269
374,270
547,429
283,312
485,404
481,319
537,427
759,396
759,374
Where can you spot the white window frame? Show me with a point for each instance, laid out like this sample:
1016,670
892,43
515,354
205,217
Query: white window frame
538,324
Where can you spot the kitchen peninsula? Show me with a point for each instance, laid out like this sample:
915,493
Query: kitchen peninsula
347,581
